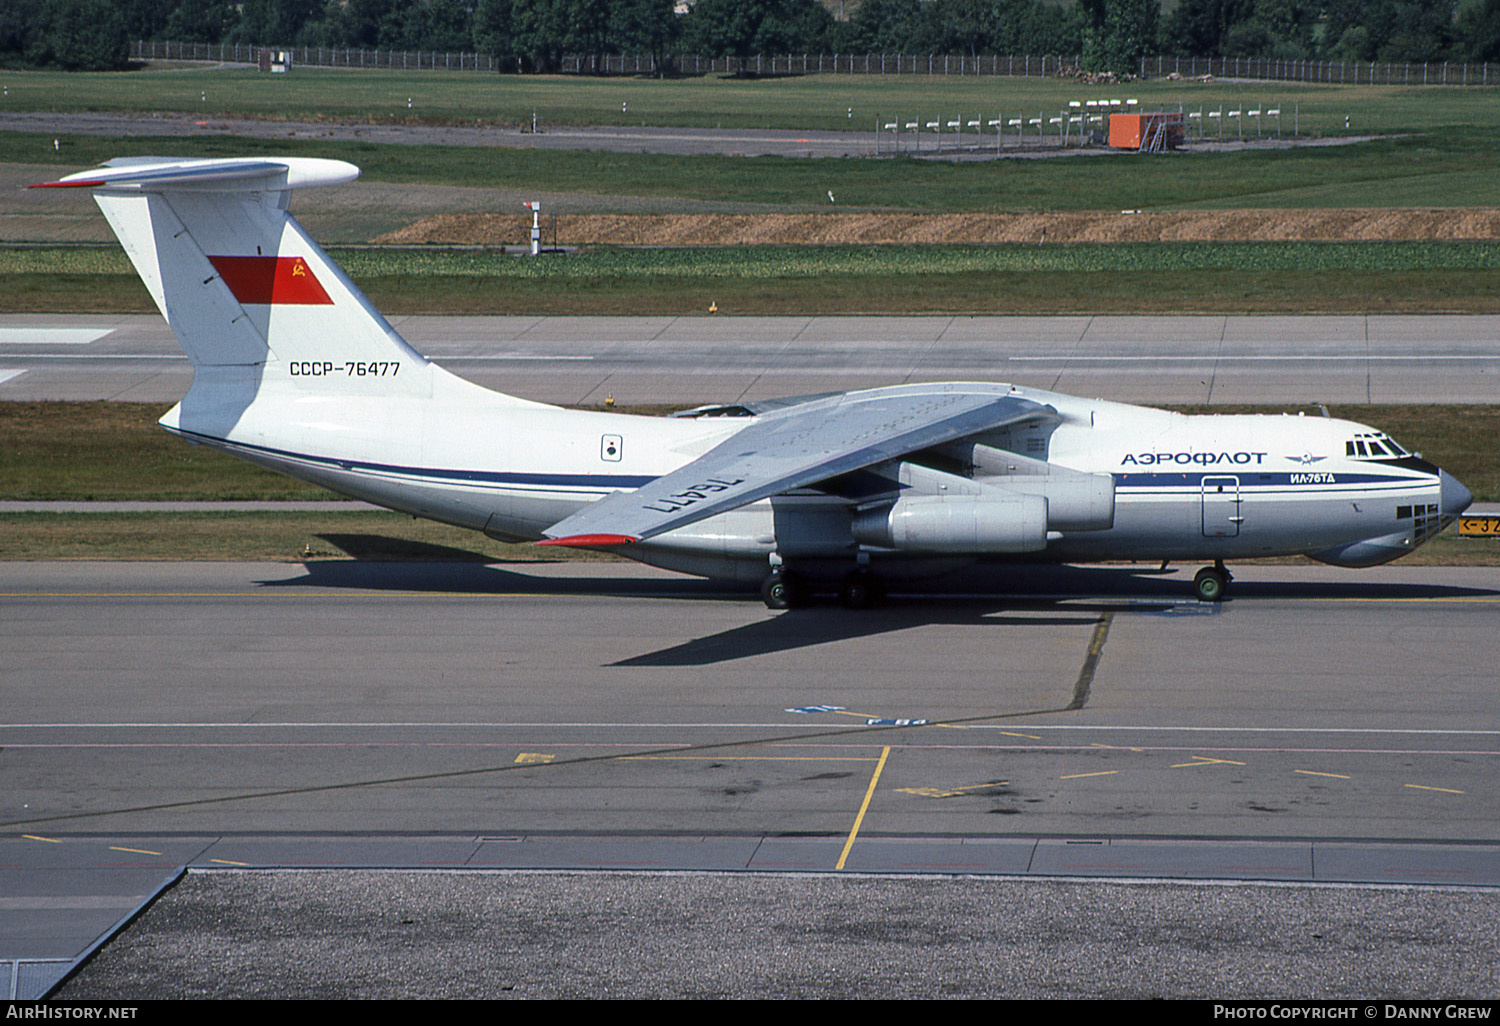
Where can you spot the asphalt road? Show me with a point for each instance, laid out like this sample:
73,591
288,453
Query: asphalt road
622,139
1211,359
178,698
1323,726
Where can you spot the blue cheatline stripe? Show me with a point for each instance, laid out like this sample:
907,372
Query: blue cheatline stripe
1248,481
1316,491
594,481
1256,479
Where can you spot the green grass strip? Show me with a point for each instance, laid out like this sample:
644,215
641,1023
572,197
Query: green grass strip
276,536
1019,293
809,261
825,102
1439,169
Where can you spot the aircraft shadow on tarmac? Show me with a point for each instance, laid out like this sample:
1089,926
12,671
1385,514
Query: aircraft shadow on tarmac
379,547
476,577
821,625
1009,596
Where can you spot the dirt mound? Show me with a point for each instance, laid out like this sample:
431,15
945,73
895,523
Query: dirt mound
1351,225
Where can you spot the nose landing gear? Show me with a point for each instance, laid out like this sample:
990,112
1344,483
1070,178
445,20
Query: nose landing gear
1210,582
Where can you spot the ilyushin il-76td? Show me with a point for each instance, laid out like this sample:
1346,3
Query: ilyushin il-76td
295,370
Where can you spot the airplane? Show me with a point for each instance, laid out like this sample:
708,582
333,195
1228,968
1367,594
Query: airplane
296,371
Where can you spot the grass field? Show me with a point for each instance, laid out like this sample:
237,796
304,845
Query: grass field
1442,153
813,102
1127,278
780,262
279,537
1433,169
1037,293
1457,277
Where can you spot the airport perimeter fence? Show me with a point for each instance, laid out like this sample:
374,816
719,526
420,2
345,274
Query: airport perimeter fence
1017,65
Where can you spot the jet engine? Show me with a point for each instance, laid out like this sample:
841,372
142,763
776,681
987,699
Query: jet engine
992,522
1011,505
1076,501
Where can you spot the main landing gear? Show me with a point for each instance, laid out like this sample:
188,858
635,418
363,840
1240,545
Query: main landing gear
783,589
1210,582
860,590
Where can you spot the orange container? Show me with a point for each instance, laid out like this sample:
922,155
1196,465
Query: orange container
1128,131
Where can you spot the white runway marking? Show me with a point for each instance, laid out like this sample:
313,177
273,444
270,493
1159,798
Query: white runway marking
11,336
6,375
518,356
730,724
1286,358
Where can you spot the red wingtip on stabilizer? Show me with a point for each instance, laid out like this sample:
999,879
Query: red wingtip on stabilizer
584,541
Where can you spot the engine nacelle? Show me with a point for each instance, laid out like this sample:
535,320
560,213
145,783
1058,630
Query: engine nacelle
995,522
1075,502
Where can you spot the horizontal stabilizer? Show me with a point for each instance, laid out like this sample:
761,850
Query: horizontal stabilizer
251,174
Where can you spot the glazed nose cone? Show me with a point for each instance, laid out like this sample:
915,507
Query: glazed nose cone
1455,498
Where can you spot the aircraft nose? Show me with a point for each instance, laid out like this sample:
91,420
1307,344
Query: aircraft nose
1454,497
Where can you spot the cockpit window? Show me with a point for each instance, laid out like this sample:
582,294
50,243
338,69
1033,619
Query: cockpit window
1373,445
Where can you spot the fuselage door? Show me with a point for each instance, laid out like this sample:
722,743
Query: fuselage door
1221,507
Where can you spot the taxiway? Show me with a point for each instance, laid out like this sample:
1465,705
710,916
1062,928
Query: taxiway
662,360
1323,726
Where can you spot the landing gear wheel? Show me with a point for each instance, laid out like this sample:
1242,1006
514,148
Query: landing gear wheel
780,590
1210,582
860,590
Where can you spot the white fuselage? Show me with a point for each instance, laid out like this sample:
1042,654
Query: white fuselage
296,370
1186,487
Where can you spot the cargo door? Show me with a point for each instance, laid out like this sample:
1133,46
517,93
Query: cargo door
1221,507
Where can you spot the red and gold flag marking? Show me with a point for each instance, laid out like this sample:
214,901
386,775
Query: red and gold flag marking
286,281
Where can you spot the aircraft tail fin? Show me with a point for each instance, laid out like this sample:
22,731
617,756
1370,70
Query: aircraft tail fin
250,296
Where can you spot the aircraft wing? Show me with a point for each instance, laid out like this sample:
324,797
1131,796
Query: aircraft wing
794,447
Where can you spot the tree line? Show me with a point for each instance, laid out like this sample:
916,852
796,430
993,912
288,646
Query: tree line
533,35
